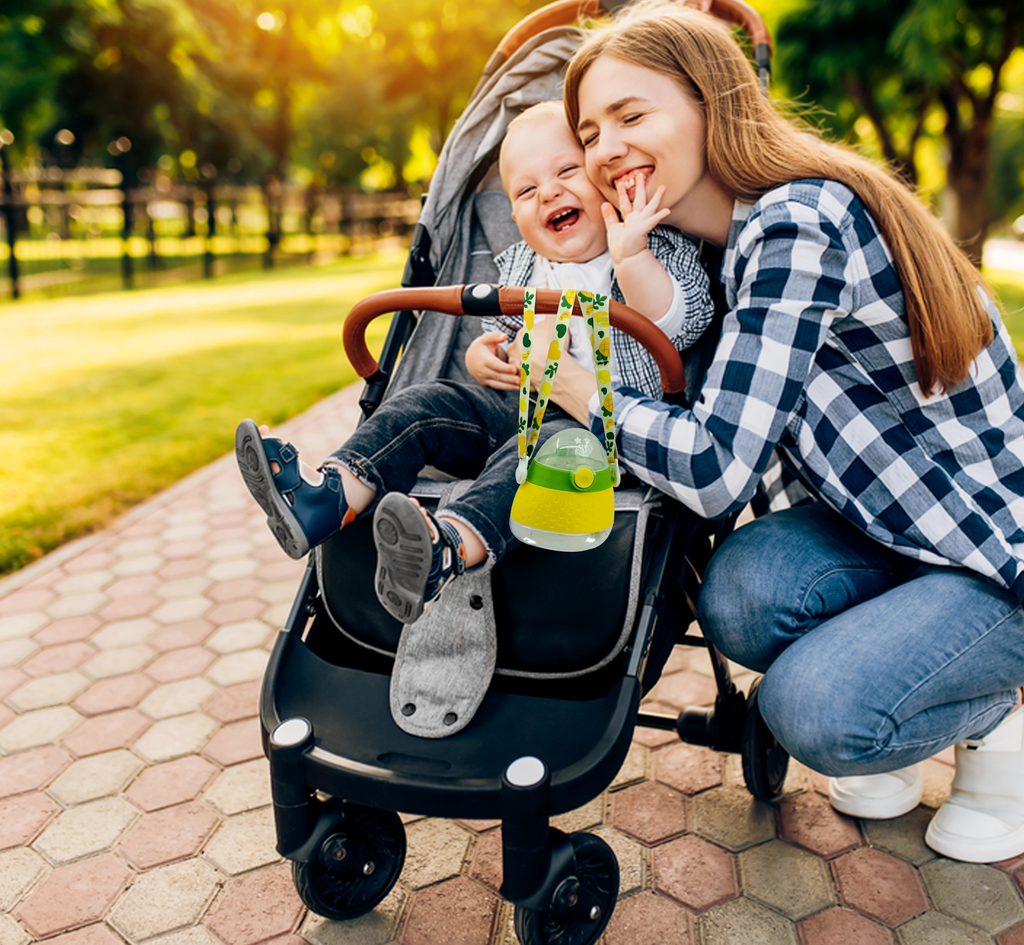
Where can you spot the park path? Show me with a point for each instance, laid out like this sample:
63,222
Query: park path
135,806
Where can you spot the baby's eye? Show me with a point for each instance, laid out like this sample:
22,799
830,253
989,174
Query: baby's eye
568,170
525,192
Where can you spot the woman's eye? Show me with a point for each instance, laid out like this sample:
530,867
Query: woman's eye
588,141
629,119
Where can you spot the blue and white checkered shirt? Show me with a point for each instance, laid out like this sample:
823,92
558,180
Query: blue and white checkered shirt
815,359
635,364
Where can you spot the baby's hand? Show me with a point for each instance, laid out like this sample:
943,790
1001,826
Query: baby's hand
628,236
489,364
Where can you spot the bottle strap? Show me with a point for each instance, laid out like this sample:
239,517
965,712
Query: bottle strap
594,308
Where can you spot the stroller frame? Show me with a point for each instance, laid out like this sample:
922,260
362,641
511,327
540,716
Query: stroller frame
339,777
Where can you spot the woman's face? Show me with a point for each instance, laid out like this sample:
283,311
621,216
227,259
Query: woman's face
634,121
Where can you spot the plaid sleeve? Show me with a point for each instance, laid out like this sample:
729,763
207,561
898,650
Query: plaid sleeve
515,267
790,285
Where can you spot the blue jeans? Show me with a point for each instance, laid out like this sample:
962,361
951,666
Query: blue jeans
461,429
871,660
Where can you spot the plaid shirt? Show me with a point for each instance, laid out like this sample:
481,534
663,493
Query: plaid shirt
815,359
636,367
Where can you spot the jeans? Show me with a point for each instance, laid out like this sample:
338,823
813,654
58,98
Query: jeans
872,661
461,429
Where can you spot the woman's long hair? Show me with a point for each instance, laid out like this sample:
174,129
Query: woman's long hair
753,148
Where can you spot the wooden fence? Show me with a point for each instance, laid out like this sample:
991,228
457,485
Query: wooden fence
66,227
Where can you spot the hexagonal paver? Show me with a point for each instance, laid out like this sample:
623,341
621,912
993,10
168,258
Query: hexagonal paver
256,907
165,898
34,729
20,868
177,698
649,919
933,927
809,821
903,837
436,849
731,817
31,770
168,835
787,879
67,630
171,783
121,633
238,667
74,895
113,694
234,743
979,895
240,788
744,920
23,816
694,872
839,926
485,866
244,842
650,811
235,703
688,768
106,732
879,885
175,737
377,927
86,830
119,662
95,777
457,910
181,663
176,636
59,658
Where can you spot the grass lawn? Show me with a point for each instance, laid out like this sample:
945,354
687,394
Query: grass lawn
107,399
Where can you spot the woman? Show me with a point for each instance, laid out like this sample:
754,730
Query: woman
862,346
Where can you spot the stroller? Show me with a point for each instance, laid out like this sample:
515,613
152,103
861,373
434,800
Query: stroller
558,718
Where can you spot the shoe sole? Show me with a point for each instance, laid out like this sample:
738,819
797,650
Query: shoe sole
969,850
259,480
404,556
872,808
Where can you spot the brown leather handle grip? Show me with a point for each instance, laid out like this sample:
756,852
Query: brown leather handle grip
567,12
448,299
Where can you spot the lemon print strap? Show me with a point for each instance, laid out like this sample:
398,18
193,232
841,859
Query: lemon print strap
594,308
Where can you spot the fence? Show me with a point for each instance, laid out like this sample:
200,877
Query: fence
64,228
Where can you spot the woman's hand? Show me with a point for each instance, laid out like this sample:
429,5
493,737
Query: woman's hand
489,364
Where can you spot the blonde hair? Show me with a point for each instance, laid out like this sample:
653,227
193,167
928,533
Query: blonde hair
542,110
751,148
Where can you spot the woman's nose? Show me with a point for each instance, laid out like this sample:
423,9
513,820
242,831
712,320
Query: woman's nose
608,148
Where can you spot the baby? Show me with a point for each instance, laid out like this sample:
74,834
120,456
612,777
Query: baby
571,238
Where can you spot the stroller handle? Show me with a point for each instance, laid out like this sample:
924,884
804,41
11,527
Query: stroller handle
567,12
491,300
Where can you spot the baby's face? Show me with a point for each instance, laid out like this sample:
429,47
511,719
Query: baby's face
556,206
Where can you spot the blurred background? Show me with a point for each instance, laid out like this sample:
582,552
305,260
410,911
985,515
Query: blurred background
251,169
144,139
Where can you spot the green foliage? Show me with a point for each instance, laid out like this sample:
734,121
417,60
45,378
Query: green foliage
105,401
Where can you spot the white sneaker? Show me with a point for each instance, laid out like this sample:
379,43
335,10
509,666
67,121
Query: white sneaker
878,796
982,820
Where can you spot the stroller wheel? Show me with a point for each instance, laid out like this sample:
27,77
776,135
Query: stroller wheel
357,865
583,902
764,760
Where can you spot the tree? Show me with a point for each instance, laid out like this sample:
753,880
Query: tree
902,65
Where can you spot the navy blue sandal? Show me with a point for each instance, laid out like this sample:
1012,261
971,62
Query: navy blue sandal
300,515
413,566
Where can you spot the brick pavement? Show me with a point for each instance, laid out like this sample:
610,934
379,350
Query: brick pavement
134,798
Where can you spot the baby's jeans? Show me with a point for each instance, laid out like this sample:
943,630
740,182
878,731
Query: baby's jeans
872,661
461,429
